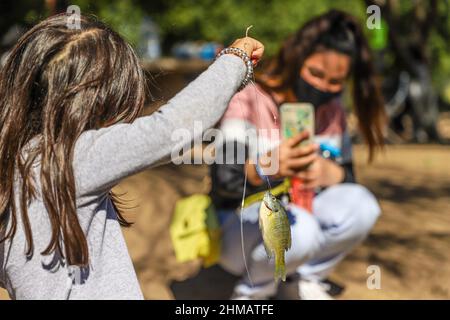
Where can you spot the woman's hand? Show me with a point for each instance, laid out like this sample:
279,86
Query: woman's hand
290,157
321,173
252,47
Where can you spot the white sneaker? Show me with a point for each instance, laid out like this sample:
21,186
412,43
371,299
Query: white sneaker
313,290
246,292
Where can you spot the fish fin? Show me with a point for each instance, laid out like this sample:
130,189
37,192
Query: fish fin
280,268
288,228
289,242
268,252
261,227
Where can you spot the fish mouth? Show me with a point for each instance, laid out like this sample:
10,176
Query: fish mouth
267,206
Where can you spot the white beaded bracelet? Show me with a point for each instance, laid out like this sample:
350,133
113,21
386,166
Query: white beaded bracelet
244,56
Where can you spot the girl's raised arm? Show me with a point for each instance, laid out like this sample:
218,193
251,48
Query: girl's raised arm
103,157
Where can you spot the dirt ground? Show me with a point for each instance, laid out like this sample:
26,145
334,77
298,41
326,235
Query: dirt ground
410,243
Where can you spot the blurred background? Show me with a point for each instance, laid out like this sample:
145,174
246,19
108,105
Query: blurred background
178,39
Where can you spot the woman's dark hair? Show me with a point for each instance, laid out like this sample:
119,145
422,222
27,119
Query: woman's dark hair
57,83
339,31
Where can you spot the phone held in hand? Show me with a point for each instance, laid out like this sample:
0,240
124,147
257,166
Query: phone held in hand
295,118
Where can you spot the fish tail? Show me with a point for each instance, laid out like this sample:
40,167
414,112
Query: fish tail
280,268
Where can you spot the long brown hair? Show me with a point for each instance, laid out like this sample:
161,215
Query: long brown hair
57,83
335,30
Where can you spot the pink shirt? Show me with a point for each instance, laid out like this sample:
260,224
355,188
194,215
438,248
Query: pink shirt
256,109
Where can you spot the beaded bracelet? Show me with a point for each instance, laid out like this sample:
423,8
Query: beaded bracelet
244,56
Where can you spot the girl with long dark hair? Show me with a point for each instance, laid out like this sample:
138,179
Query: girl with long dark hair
313,65
69,131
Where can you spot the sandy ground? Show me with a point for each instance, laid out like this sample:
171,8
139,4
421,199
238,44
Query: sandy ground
410,243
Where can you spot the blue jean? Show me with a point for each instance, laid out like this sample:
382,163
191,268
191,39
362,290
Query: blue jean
343,216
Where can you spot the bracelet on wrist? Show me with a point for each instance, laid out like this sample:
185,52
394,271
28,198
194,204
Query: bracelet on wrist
244,56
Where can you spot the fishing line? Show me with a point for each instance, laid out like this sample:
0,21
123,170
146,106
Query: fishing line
245,168
245,186
246,31
253,82
242,202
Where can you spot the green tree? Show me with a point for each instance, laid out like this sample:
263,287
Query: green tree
224,20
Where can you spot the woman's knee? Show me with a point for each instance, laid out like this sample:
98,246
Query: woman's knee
231,258
348,208
306,236
364,210
367,208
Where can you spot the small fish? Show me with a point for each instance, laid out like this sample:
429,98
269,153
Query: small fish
276,232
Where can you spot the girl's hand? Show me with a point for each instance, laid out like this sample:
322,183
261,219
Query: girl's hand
321,173
252,47
291,157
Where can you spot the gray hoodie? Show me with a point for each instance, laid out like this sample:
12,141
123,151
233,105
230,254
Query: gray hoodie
102,158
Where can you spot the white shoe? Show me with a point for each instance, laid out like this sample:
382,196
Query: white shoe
246,292
313,290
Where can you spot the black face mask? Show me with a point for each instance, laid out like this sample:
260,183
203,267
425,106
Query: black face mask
307,93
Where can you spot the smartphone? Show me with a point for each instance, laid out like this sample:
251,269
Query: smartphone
295,118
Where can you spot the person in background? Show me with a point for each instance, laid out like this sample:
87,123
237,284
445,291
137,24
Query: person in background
313,65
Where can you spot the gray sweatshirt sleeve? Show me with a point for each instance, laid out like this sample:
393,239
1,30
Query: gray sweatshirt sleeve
103,157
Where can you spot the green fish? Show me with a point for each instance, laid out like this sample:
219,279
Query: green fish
276,232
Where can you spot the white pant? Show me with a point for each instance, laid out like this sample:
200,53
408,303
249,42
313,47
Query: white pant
343,215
